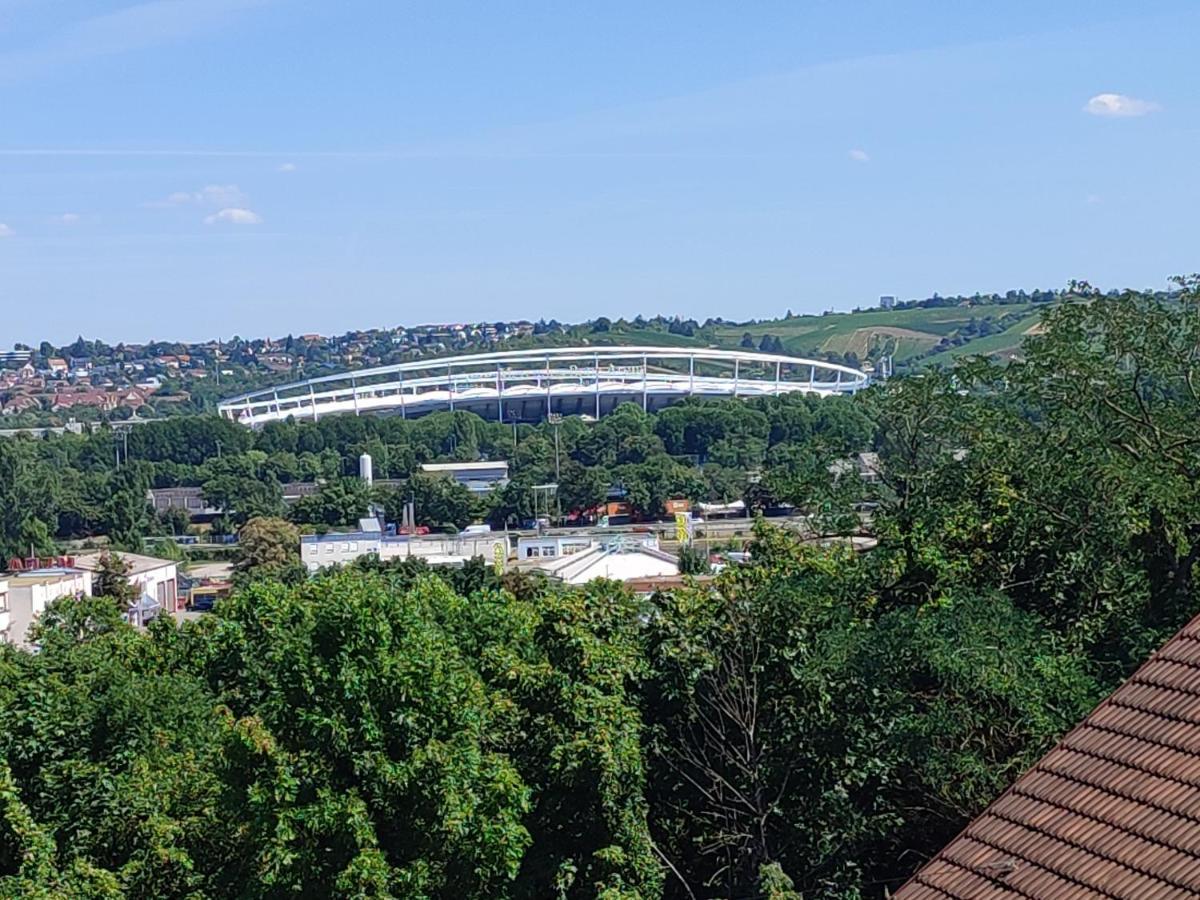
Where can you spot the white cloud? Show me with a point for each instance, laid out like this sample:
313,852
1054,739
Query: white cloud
5,231
287,167
69,219
215,196
234,216
1119,106
859,155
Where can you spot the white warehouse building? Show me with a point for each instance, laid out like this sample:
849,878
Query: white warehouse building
30,592
319,551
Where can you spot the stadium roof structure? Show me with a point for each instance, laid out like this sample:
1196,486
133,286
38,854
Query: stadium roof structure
1113,811
529,385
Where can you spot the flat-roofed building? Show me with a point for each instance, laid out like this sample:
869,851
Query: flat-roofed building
30,592
319,551
550,546
156,580
616,561
477,477
189,499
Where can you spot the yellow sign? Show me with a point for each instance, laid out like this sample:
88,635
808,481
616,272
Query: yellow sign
681,527
498,556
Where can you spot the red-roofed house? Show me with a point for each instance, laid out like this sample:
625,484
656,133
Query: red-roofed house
1112,811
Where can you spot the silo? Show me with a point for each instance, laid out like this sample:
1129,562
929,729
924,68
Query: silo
365,470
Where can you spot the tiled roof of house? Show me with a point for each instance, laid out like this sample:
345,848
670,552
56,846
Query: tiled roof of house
1112,811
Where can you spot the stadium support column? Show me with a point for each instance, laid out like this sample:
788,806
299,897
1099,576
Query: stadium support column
778,373
548,386
500,394
812,378
354,393
839,381
596,380
737,368
450,384
278,414
403,411
691,375
312,399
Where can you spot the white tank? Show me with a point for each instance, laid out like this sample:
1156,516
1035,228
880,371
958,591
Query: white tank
365,471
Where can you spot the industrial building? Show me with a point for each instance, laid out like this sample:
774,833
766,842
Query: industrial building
551,546
156,580
618,560
319,551
28,593
477,477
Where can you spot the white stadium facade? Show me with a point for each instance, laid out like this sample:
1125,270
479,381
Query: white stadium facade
528,385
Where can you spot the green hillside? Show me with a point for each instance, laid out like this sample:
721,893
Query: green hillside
918,337
1005,344
907,335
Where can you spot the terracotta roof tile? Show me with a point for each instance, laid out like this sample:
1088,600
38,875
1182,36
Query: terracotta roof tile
1112,812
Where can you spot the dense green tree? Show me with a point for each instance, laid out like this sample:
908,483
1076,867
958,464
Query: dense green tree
35,539
785,708
111,580
340,502
582,488
268,549
241,488
436,501
27,491
127,515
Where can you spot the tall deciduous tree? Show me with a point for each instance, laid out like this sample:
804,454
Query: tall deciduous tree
269,548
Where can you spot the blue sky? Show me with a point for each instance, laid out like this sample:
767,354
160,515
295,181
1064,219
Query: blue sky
201,168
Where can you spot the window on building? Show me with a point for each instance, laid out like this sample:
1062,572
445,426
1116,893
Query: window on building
354,546
329,548
548,551
532,552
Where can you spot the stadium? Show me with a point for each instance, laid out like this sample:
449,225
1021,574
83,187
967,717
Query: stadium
529,385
